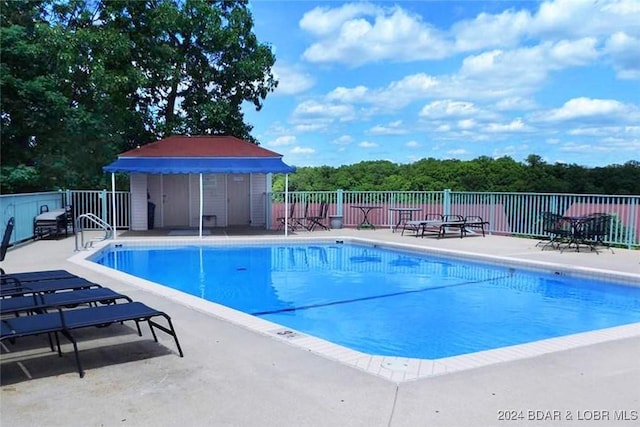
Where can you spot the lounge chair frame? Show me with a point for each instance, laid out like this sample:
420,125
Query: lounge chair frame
474,221
14,287
33,276
422,226
440,224
40,302
451,222
64,322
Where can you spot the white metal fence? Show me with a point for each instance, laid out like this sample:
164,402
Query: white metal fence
25,207
516,214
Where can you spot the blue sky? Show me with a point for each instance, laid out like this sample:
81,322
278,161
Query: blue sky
407,80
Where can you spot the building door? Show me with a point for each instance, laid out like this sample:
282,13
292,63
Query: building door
175,200
239,212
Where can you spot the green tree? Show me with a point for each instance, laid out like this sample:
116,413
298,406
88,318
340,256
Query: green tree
82,80
199,59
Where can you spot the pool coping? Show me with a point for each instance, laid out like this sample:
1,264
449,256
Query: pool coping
393,368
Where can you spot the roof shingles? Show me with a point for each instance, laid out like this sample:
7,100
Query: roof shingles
200,146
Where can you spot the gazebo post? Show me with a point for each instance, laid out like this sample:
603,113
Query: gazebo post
201,206
113,204
286,204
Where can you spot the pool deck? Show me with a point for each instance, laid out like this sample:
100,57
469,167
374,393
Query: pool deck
234,376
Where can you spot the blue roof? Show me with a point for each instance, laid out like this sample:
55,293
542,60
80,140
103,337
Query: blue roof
177,165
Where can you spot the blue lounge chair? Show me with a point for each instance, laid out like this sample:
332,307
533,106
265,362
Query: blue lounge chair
40,302
14,288
33,276
65,321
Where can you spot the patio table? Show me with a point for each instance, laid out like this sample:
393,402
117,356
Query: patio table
366,209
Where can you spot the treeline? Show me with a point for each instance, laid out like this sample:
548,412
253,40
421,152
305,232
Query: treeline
482,174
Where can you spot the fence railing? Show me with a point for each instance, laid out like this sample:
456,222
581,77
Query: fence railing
514,214
25,207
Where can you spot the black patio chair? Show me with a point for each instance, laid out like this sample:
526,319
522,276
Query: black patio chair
300,221
6,238
592,231
318,220
557,228
602,229
289,219
65,321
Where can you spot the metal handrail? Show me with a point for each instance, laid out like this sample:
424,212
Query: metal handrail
108,230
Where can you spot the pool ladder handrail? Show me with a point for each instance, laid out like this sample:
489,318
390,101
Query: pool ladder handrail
108,230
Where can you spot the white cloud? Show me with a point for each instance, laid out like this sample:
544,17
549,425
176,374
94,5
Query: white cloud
343,94
578,18
605,147
624,51
358,33
291,81
515,103
606,131
558,19
367,144
448,108
412,144
393,128
302,150
518,72
516,125
503,30
323,20
311,126
466,124
572,53
312,108
586,107
343,140
282,140
458,152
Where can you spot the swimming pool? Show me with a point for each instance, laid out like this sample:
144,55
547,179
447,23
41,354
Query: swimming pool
382,301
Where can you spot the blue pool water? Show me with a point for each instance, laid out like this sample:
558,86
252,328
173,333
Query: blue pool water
382,301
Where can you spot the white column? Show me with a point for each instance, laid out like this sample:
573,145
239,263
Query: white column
201,205
113,205
286,204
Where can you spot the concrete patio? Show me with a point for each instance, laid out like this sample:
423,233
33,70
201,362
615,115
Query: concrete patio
233,376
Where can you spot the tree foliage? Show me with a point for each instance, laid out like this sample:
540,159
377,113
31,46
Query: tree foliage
83,80
482,174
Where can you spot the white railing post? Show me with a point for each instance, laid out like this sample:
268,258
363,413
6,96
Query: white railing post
446,202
